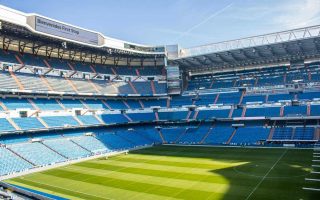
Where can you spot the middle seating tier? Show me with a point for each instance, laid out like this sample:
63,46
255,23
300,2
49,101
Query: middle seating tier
24,81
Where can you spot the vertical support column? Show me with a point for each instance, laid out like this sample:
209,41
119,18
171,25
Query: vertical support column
78,120
141,104
132,87
196,114
293,132
308,109
230,138
153,87
281,111
18,59
21,87
126,104
271,133
33,104
231,112
168,103
45,81
216,99
13,124
242,95
243,114
207,134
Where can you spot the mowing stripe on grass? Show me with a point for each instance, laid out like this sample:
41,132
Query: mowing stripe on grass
62,190
186,174
128,185
195,164
124,163
172,181
89,188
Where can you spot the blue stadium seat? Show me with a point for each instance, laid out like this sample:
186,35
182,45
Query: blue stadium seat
113,141
229,98
143,116
116,104
282,133
47,104
304,133
60,121
11,163
5,125
263,112
13,103
133,104
114,118
292,111
88,119
250,135
315,110
194,135
219,135
91,143
173,115
171,134
67,148
208,114
94,104
71,104
37,153
28,123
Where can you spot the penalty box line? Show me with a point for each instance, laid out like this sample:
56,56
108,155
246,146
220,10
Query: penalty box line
264,177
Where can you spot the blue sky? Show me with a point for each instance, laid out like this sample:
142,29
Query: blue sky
185,22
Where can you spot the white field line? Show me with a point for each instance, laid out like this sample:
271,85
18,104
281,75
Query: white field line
312,179
312,189
64,188
264,177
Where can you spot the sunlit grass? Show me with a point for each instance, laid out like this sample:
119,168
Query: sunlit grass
168,172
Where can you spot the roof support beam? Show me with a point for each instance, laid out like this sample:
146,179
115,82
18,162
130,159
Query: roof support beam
222,58
202,62
189,62
233,56
258,52
5,43
246,55
210,59
49,51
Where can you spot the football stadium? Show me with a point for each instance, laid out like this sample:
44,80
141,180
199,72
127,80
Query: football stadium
87,116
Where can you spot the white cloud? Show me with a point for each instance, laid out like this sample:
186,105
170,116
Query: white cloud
298,13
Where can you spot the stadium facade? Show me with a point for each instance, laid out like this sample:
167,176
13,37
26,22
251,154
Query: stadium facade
68,93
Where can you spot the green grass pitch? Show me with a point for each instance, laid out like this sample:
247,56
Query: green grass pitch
176,172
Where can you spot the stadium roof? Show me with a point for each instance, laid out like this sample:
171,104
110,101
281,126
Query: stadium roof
297,44
54,29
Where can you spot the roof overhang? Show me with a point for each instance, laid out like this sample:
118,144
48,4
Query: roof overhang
280,47
50,28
